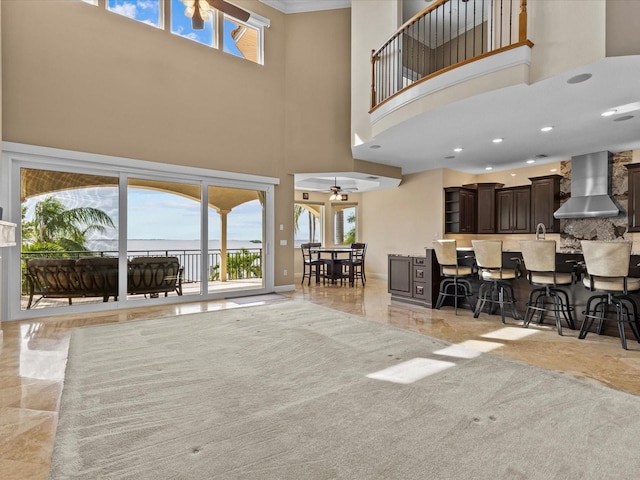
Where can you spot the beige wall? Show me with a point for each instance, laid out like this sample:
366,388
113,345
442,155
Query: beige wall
372,23
566,34
403,219
317,100
81,78
623,24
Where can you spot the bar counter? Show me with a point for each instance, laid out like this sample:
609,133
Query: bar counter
419,284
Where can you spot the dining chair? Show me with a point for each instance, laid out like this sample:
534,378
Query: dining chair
357,262
456,282
607,266
310,265
496,287
548,294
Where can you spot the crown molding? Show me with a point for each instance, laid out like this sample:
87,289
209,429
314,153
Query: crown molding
299,6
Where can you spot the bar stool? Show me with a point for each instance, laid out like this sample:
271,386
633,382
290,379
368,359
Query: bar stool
496,280
539,258
607,265
456,276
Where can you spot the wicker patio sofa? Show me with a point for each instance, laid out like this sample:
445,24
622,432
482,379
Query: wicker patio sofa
98,277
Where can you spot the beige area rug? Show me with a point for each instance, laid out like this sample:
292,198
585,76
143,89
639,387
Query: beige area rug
285,391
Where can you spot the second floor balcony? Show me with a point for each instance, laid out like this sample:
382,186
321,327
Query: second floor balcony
460,77
447,35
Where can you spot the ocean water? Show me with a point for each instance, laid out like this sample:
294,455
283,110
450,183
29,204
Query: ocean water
187,251
159,245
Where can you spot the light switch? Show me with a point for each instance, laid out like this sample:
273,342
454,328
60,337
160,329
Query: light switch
283,243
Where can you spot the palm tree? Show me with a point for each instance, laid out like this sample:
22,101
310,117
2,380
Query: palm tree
56,227
297,212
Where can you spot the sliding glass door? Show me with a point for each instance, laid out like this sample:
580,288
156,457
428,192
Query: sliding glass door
69,231
93,237
236,239
163,239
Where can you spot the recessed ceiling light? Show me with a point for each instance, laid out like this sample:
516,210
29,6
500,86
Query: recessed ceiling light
497,140
531,160
513,174
457,149
375,146
553,170
608,113
488,168
622,119
583,77
546,129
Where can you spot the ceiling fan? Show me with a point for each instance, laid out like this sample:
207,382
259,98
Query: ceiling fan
337,191
199,10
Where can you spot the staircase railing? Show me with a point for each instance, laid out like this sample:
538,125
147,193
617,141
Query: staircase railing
445,35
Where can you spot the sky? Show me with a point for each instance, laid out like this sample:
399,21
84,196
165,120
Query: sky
158,215
148,11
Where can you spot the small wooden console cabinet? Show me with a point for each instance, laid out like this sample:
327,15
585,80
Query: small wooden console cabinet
414,279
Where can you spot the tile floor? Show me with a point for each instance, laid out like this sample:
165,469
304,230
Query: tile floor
33,357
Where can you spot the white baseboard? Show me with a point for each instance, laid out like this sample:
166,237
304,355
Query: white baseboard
284,288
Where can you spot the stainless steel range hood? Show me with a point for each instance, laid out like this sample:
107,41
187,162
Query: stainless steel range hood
590,187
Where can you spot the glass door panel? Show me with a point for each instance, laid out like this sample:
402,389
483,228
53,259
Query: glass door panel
163,239
69,251
236,239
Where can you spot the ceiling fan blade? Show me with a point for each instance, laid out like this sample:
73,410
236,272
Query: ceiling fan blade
229,9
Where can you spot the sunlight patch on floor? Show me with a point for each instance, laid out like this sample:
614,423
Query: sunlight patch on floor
510,333
459,351
411,370
481,345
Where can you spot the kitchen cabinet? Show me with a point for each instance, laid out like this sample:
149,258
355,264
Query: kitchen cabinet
633,209
486,207
545,199
459,210
414,279
513,206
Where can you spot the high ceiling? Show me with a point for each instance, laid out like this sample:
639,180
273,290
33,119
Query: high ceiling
515,114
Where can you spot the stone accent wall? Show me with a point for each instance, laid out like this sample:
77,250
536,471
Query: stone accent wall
574,230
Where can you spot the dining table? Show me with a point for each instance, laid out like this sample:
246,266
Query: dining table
334,258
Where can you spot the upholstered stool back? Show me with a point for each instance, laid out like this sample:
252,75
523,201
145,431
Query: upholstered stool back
606,258
488,253
539,255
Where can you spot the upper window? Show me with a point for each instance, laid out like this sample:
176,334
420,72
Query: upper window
242,40
181,24
145,11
